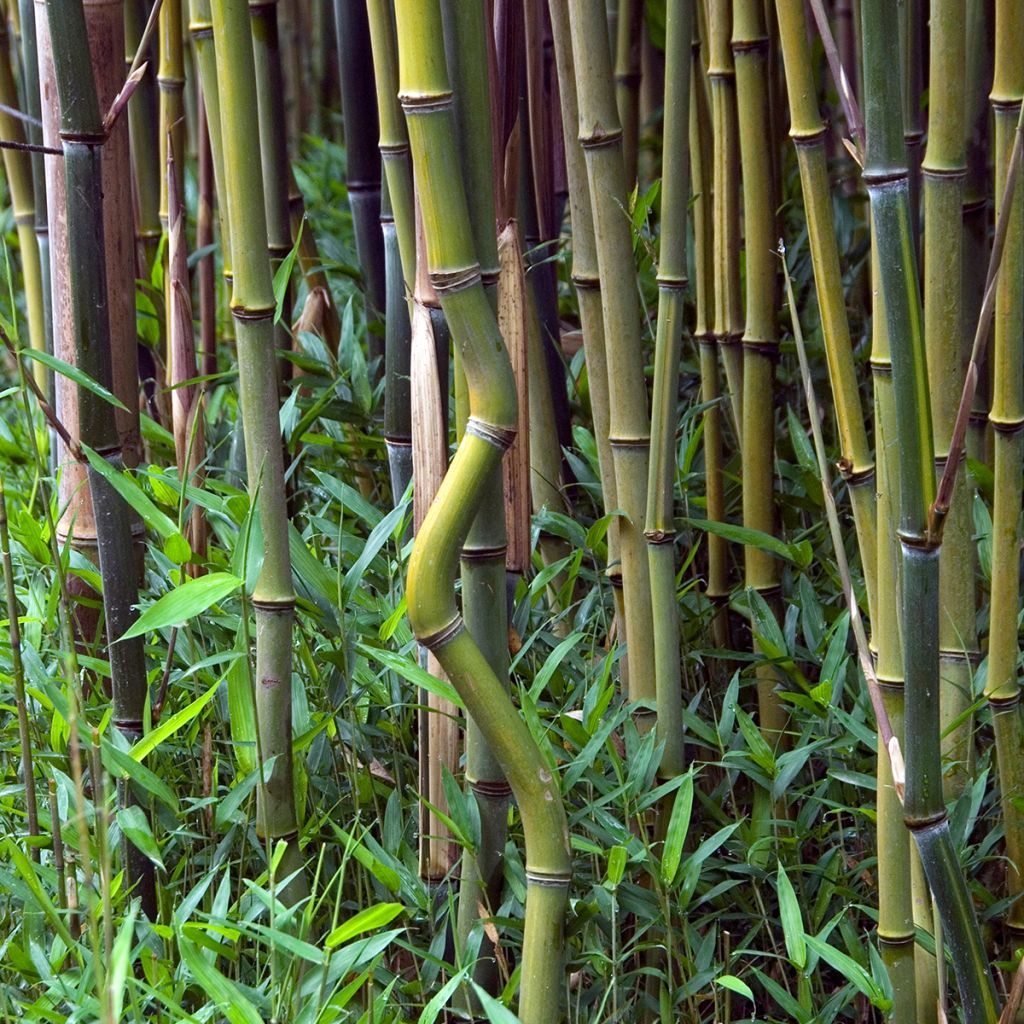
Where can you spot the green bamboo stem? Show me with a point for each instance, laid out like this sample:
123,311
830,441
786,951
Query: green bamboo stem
728,323
672,285
143,128
888,183
18,675
895,911
628,32
944,173
83,137
206,269
170,78
30,79
1007,420
426,96
629,423
913,27
975,210
362,155
808,134
586,280
701,169
263,17
394,135
20,183
751,46
252,306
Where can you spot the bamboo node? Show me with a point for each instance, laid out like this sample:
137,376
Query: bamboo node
660,536
806,139
447,282
441,636
599,136
277,605
425,102
82,138
252,315
500,437
484,554
495,788
547,881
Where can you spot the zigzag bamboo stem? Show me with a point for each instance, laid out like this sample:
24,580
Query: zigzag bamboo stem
1007,420
750,46
19,171
925,813
252,306
808,133
30,88
944,171
629,424
362,155
628,31
426,95
672,284
83,137
143,128
895,911
728,324
586,279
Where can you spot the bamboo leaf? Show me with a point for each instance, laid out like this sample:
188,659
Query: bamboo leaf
409,670
792,920
132,822
678,825
177,721
184,602
223,992
83,380
126,486
849,969
440,1000
120,958
366,920
799,554
734,984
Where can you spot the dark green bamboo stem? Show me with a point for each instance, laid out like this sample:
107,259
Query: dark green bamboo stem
913,28
426,95
888,183
808,133
628,31
672,285
362,155
252,306
82,136
18,675
1007,420
895,910
751,47
144,126
629,423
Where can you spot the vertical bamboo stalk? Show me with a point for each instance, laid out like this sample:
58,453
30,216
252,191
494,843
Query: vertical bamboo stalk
628,32
1007,420
750,46
629,423
808,134
672,285
252,306
170,78
83,136
426,95
888,182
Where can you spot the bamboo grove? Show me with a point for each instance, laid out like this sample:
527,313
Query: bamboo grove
511,509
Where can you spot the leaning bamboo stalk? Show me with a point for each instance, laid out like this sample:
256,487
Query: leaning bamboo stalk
83,136
728,326
253,306
587,282
750,46
629,422
1006,417
426,96
888,182
672,285
944,172
808,134
18,170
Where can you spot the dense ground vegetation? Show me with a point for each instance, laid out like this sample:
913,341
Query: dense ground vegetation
265,840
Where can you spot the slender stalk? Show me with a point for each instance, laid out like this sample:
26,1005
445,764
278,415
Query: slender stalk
170,78
18,169
362,155
1007,420
672,285
629,423
206,269
888,183
628,32
82,136
426,96
728,325
808,133
252,306
750,46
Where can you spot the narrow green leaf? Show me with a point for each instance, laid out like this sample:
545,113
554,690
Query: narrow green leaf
132,822
223,992
127,486
678,825
617,858
184,602
366,920
408,669
734,984
849,969
170,726
792,921
83,380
